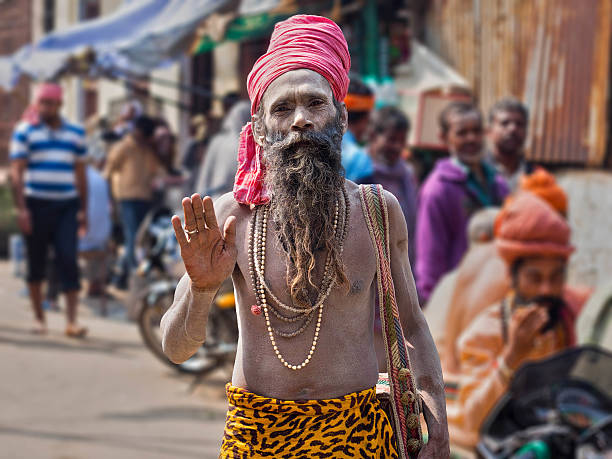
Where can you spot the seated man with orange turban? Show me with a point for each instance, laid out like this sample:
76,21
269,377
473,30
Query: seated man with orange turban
531,322
482,279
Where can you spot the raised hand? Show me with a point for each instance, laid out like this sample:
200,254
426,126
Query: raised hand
208,255
524,327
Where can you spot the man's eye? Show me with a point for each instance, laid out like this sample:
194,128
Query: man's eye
280,109
316,102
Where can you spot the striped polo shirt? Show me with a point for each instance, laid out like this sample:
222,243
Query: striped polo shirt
51,155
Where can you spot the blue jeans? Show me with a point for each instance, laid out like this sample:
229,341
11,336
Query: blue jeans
133,212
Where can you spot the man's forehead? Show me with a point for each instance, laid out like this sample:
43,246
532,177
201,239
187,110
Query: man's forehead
502,115
544,263
294,82
465,119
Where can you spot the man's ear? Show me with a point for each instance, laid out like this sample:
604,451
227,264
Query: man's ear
343,117
442,136
258,129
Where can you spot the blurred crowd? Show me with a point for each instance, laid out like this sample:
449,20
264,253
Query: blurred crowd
135,161
489,244
488,235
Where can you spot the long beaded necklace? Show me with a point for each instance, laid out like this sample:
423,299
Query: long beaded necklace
257,256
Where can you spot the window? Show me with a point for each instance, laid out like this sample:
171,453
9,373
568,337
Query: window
48,15
90,9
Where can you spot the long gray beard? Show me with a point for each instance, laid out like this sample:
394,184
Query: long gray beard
304,176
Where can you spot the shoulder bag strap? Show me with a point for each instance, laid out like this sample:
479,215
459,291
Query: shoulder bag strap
405,401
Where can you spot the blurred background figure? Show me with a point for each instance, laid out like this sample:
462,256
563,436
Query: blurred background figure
229,100
456,188
483,278
130,112
50,192
93,244
455,300
219,169
164,146
389,129
132,167
193,157
359,103
508,122
532,321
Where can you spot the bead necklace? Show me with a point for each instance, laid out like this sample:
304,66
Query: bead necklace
257,256
327,278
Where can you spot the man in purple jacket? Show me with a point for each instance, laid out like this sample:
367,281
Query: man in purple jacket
457,188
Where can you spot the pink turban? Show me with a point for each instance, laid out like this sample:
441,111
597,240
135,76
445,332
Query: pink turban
528,226
300,42
44,91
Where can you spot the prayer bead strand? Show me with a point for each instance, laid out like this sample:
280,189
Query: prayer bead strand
257,255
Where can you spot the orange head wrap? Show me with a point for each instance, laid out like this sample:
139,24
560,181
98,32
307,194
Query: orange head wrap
359,102
529,227
543,184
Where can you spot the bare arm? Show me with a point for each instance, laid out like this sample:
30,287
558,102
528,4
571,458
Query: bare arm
423,355
17,171
209,259
80,171
18,167
184,324
114,160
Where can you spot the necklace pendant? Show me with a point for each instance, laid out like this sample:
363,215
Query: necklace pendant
256,310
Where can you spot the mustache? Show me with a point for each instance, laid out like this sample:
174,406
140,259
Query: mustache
553,305
327,139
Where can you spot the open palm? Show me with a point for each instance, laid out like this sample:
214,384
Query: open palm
208,255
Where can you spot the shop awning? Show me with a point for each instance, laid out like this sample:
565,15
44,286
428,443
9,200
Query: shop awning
241,28
254,19
140,36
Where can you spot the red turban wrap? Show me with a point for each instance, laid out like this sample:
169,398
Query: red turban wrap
528,227
44,91
300,42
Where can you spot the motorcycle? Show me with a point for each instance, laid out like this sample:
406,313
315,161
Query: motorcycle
556,408
154,283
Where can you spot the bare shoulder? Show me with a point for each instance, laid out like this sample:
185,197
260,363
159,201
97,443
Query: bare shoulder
226,206
398,231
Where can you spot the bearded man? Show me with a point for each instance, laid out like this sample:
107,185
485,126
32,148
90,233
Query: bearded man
296,243
532,322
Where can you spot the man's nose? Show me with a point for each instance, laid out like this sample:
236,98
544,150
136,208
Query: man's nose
301,120
546,288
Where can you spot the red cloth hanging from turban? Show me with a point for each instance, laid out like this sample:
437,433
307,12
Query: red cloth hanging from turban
300,42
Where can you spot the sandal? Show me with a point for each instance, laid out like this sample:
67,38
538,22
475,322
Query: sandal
76,331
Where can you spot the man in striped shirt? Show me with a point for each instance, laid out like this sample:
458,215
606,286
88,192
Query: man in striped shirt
50,190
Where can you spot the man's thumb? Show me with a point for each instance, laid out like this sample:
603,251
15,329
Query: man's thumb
229,231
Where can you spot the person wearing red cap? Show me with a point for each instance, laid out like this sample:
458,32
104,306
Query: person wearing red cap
49,182
294,239
531,322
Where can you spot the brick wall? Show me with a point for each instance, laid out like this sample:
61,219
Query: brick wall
15,31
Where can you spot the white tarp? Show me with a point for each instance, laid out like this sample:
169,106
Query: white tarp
140,36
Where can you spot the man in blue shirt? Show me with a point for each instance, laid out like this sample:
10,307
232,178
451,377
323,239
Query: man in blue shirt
50,190
356,162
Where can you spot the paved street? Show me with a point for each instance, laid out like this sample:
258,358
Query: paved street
103,397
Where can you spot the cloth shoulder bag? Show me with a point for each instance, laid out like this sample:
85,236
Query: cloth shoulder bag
396,390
